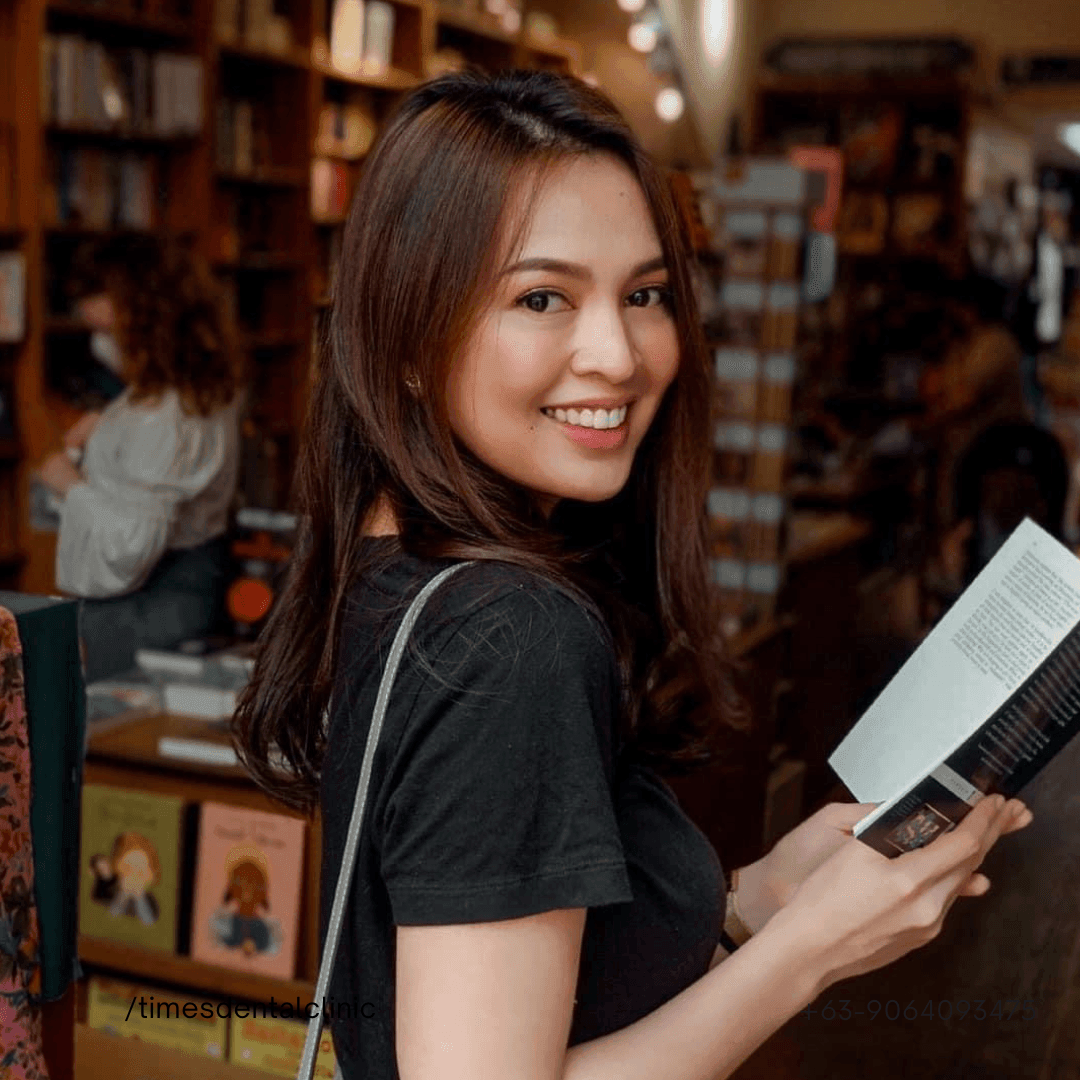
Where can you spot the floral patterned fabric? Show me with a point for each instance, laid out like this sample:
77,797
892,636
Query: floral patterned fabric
20,1017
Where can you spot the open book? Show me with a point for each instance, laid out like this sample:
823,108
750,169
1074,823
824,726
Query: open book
984,702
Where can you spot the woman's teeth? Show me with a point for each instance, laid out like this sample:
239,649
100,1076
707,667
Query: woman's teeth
594,418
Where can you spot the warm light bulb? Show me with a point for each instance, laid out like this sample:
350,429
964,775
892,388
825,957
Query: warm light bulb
716,18
669,104
642,37
1070,136
630,5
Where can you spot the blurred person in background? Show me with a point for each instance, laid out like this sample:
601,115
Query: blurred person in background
144,513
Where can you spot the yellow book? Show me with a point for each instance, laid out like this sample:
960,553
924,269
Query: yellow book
274,1046
156,1016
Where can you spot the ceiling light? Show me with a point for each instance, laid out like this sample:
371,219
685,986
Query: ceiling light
716,19
642,37
669,104
1070,136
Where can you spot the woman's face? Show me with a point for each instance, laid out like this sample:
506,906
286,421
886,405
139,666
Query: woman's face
594,330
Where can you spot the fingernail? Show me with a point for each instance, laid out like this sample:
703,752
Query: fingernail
998,801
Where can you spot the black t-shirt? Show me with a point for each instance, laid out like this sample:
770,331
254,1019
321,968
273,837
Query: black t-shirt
499,789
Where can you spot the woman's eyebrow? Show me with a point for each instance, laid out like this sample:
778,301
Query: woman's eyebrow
557,266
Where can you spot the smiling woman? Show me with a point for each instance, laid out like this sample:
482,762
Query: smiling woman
530,900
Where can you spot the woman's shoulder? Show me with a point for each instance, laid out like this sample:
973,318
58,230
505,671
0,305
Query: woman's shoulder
496,601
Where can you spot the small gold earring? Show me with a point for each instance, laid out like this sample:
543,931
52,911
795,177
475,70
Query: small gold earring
413,383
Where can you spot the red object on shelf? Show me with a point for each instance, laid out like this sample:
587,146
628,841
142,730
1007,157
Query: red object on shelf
248,599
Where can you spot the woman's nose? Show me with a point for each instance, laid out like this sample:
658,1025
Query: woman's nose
606,346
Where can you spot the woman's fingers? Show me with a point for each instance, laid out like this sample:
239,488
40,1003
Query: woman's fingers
964,846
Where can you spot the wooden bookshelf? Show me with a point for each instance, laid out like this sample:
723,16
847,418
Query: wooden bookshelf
254,224
123,752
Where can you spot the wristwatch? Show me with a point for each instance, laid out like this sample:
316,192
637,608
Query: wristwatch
735,932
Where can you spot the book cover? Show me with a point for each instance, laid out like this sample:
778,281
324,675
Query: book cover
248,878
159,1017
985,702
275,1046
130,866
347,36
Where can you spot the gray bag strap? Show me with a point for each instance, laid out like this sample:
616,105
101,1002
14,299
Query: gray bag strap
352,840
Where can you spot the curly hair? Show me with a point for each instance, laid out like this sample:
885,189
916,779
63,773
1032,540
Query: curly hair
172,325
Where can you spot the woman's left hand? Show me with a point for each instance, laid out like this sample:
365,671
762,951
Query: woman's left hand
58,473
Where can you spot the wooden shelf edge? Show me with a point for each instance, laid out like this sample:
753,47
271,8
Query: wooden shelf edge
99,1055
472,24
295,57
277,176
131,961
390,79
109,134
115,15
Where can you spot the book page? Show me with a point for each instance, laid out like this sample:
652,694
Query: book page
1002,627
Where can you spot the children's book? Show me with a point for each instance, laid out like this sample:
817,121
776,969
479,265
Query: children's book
274,1045
988,698
130,866
248,877
160,1017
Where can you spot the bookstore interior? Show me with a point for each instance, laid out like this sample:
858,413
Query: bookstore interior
884,207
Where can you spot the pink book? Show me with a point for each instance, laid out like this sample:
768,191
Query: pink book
248,878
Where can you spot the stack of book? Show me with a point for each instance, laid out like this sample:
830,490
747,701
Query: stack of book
184,681
252,23
101,189
361,36
242,139
129,91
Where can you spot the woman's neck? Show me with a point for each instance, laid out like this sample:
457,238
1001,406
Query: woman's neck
380,520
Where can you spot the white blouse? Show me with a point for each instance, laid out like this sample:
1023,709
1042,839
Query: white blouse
155,478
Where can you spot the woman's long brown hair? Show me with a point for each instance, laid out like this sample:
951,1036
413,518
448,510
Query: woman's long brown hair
417,264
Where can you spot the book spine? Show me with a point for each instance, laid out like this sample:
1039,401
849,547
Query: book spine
378,35
1004,753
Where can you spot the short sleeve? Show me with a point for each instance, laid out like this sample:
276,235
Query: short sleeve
501,804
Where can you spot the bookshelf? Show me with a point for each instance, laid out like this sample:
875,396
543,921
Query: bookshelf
749,224
124,754
230,167
13,253
239,167
901,235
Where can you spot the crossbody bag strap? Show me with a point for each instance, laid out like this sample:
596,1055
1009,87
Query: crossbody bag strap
352,839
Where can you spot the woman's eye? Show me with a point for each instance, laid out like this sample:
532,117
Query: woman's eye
661,293
540,294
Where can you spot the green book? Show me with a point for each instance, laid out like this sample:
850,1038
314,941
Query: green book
56,718
129,874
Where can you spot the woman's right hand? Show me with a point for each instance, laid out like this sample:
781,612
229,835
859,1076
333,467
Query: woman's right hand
861,910
81,430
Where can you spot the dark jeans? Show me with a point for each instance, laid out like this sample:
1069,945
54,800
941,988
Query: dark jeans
182,598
